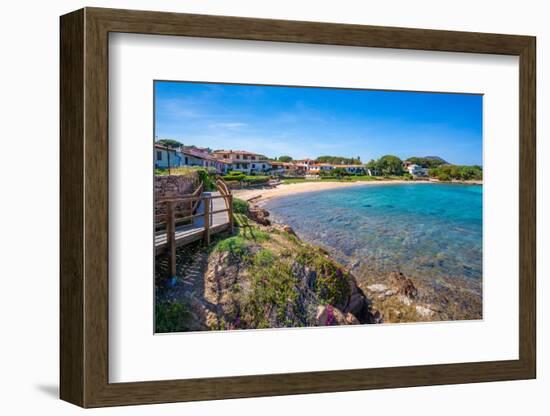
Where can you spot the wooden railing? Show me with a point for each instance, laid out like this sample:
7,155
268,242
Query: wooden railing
160,219
224,190
174,217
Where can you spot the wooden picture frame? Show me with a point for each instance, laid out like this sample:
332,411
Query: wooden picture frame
84,207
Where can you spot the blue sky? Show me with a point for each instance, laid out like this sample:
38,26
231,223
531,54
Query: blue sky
311,122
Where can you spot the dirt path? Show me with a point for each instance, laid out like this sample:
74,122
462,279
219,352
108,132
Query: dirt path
190,286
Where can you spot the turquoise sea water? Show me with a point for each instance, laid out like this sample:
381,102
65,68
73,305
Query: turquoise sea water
423,230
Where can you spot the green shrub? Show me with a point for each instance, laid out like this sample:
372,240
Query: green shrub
387,165
427,162
253,180
240,206
252,233
207,179
234,175
236,245
272,289
443,176
171,316
332,284
457,172
339,172
264,258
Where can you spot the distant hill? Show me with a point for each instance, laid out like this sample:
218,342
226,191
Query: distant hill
437,159
428,161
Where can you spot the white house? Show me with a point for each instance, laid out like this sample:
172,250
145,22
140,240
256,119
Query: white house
352,169
167,157
197,156
191,159
305,163
243,161
416,170
288,169
317,168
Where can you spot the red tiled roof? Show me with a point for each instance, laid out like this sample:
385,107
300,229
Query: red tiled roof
281,164
161,146
242,152
196,153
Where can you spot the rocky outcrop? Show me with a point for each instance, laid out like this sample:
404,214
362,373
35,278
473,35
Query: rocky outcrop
328,315
398,299
304,287
284,229
403,285
259,215
289,230
424,311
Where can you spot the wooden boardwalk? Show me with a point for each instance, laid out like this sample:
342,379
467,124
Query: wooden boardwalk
218,221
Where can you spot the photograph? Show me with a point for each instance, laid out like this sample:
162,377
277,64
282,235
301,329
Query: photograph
280,206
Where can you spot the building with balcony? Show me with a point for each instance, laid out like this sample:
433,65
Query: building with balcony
243,161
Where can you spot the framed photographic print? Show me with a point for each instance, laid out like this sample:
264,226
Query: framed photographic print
255,207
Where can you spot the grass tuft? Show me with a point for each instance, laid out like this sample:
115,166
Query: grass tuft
171,316
332,283
236,245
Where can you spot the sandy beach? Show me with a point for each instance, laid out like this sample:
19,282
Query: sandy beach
264,194
295,188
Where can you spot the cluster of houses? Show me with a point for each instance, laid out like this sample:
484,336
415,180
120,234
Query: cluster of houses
219,161
223,161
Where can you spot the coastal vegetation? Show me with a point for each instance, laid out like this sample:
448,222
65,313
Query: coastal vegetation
339,160
241,177
437,168
387,165
240,206
427,161
285,159
456,172
174,144
171,316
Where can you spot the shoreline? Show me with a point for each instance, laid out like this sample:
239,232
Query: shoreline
446,298
280,190
375,297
